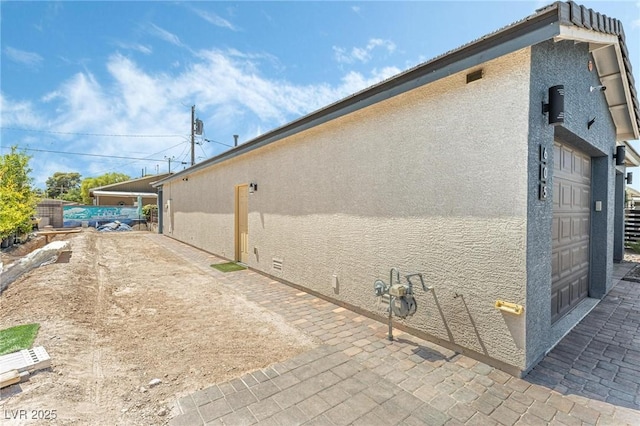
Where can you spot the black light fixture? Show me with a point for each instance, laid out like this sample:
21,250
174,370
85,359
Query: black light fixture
253,187
621,151
629,178
555,107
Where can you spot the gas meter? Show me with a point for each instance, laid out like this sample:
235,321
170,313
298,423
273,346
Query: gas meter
401,301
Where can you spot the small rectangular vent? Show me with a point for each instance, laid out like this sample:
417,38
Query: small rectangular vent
277,264
476,75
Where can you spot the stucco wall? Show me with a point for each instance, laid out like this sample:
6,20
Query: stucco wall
566,63
431,181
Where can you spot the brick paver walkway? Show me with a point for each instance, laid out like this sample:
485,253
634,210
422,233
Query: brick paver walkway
358,377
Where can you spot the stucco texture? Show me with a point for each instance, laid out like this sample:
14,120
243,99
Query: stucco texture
432,181
566,63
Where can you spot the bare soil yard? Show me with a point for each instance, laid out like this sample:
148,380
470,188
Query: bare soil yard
125,311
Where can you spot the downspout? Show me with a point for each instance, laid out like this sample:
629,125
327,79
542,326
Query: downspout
160,210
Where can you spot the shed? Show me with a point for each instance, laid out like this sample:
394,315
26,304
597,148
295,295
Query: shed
492,170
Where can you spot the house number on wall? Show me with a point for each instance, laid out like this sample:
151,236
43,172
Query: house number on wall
543,192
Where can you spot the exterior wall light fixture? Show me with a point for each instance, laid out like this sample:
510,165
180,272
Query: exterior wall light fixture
555,107
253,187
621,151
629,178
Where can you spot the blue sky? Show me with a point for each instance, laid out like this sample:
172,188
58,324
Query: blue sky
73,73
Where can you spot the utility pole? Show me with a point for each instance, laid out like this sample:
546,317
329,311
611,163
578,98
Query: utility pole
193,135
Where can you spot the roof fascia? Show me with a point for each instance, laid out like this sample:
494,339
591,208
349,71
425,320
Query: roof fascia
148,177
631,156
125,194
597,41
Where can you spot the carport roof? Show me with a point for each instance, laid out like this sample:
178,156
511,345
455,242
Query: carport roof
141,184
558,21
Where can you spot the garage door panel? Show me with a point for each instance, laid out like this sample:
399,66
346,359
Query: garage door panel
565,298
566,201
576,193
576,260
575,291
571,229
586,168
565,263
565,229
576,228
586,199
577,165
567,162
584,286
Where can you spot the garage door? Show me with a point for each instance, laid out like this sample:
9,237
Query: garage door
571,212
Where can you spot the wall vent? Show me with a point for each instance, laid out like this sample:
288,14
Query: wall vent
473,76
277,264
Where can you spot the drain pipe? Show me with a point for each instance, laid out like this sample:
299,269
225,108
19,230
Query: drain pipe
160,210
390,336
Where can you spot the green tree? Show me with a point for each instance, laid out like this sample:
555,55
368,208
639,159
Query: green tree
95,182
17,199
73,195
62,183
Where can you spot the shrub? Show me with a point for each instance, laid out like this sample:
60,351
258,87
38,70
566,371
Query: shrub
149,209
634,246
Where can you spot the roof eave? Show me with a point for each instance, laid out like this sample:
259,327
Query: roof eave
612,72
124,194
631,158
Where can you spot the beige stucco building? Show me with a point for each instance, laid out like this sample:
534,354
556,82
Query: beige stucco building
450,169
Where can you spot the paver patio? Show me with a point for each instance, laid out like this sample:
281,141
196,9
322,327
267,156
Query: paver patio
356,376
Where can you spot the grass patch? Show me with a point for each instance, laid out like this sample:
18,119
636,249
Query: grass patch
228,267
17,338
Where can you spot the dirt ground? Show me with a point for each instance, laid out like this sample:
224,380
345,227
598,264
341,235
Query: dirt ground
125,311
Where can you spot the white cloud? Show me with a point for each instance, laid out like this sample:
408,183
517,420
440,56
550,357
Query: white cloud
163,34
231,93
30,59
17,113
214,19
362,54
147,50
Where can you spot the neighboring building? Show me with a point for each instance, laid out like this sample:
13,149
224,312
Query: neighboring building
49,212
127,193
450,169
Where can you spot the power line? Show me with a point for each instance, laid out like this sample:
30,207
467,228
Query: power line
135,161
221,143
88,134
86,155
